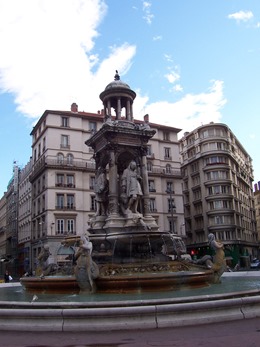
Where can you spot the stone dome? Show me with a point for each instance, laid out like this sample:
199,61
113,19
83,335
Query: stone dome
117,83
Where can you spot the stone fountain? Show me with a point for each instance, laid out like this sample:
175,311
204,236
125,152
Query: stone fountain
124,249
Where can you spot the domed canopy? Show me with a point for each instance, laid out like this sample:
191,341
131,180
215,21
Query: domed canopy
117,83
118,95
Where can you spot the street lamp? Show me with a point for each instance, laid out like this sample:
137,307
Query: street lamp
169,191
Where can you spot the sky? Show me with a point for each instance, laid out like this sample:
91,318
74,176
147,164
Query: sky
190,62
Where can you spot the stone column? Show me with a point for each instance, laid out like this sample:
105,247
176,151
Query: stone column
128,110
146,197
113,186
131,111
118,108
109,108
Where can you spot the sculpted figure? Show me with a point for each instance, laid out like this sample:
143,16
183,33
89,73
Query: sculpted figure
101,190
45,269
131,187
219,263
86,269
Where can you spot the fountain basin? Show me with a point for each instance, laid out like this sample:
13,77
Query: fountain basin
152,281
134,311
119,278
50,284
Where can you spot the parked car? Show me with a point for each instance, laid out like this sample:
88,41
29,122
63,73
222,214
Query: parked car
255,264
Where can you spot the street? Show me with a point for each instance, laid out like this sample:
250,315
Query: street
240,333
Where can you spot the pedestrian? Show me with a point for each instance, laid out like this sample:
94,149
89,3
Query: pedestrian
7,276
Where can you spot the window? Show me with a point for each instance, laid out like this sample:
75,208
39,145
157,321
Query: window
60,158
91,182
149,151
198,208
196,180
172,225
59,180
151,186
64,141
166,136
171,205
39,150
65,122
70,226
213,175
219,220
149,166
168,169
169,187
93,127
70,181
220,204
221,145
60,201
194,167
216,160
60,226
92,203
43,203
70,159
153,205
191,140
220,189
191,153
167,153
70,201
197,194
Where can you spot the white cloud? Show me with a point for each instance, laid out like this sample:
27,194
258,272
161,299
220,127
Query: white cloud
157,38
148,16
47,57
48,64
243,16
178,88
172,77
189,112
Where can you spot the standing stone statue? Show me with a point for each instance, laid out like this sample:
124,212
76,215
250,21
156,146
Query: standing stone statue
101,190
131,187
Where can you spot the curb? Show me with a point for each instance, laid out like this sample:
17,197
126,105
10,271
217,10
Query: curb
72,317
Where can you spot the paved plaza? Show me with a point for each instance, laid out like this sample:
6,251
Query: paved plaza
242,333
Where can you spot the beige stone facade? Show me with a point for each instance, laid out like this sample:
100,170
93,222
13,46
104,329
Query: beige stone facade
63,173
218,196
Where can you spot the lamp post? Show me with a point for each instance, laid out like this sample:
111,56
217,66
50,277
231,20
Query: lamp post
169,191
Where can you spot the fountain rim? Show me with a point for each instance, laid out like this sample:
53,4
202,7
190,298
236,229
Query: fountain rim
140,302
129,315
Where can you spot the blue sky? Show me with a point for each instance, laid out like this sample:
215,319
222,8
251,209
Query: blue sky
191,62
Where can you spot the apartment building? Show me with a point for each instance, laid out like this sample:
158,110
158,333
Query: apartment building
24,219
2,234
11,231
257,207
218,197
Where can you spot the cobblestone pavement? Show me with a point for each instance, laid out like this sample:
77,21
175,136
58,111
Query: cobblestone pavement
240,333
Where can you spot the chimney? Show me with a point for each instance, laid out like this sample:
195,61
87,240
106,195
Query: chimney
74,107
146,118
255,186
258,185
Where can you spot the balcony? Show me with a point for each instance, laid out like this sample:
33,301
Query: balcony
44,163
65,208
